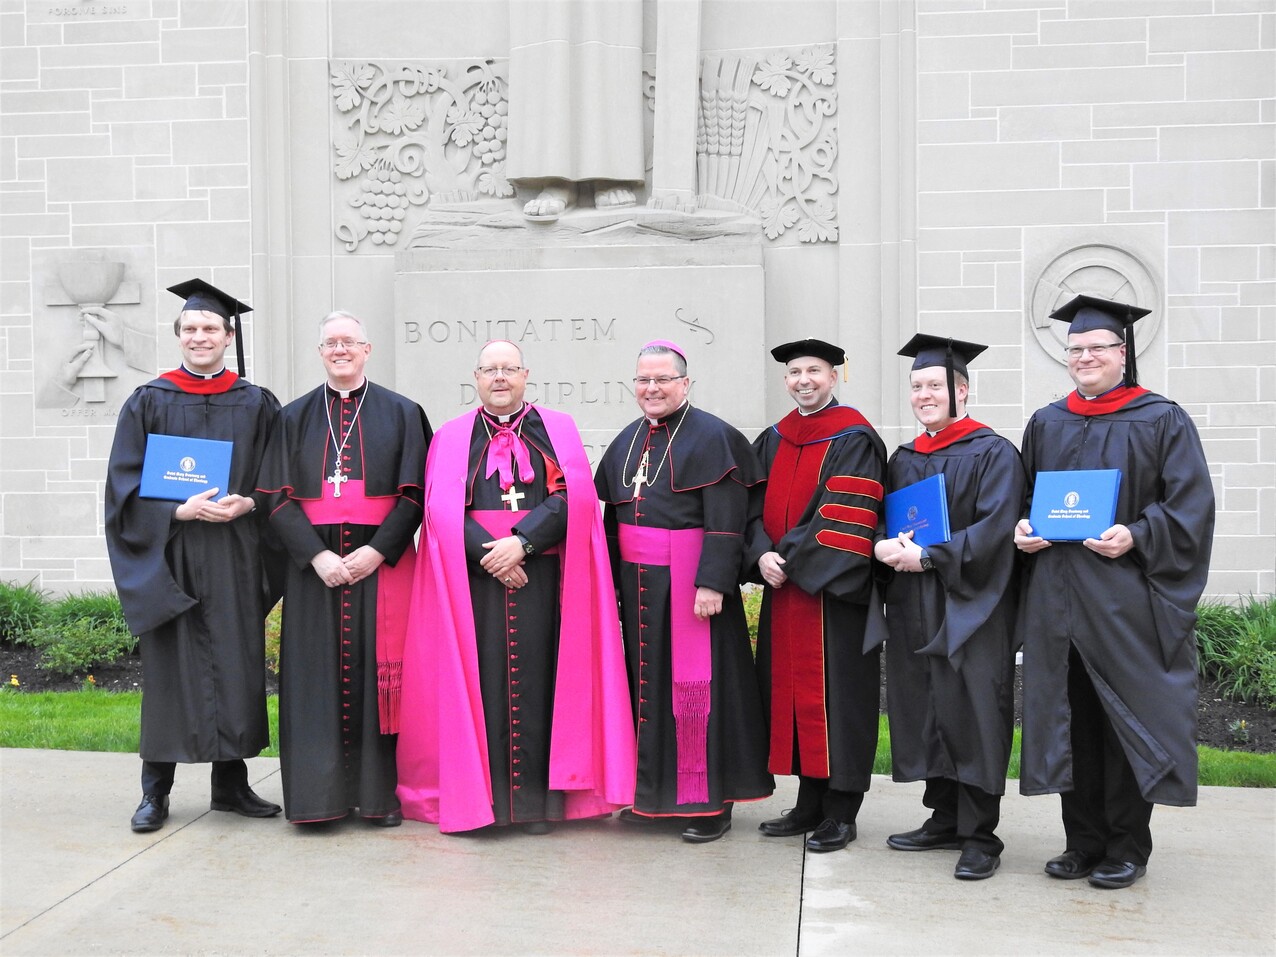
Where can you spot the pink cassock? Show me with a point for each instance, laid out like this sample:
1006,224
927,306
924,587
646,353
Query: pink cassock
443,765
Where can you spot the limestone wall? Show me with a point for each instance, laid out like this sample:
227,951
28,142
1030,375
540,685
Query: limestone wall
990,156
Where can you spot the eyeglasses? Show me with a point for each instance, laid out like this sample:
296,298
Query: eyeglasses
491,372
331,345
643,381
1076,352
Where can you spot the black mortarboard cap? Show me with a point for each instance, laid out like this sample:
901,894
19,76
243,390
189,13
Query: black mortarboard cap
830,353
1088,313
201,296
953,354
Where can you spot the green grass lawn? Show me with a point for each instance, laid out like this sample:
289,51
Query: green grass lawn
108,721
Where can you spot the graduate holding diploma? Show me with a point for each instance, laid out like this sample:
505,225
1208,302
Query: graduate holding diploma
1109,716
950,612
190,573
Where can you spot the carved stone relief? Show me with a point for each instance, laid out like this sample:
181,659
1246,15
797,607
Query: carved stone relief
1100,270
420,155
767,140
415,134
86,336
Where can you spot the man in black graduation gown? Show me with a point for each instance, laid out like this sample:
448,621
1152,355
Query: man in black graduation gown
676,488
950,610
344,478
812,546
190,574
1109,654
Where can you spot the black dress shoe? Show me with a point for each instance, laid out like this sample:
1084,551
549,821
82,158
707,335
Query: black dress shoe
975,865
1071,865
924,840
789,825
831,835
630,816
702,830
538,827
243,801
1114,874
393,819
150,814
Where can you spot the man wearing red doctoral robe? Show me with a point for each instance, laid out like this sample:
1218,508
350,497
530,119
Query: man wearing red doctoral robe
813,548
516,707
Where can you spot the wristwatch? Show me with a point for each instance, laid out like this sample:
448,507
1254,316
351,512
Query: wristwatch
927,564
528,547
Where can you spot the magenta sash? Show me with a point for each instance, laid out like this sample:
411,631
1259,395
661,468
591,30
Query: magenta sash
394,587
352,508
679,549
499,523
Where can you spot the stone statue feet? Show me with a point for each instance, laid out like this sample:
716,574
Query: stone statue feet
551,202
614,198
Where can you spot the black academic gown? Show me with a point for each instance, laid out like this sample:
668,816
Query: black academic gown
704,484
1131,619
194,592
843,577
333,756
517,629
950,657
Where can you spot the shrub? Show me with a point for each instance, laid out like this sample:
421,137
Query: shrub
1237,646
274,624
20,610
79,632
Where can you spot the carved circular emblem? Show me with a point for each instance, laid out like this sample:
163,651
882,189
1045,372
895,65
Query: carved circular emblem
1071,499
1095,270
187,463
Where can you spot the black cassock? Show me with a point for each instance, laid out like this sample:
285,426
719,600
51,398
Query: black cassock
950,657
194,592
1131,619
333,755
703,484
826,554
517,629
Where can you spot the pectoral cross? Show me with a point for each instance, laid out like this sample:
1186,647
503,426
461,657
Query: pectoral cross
336,479
640,476
512,497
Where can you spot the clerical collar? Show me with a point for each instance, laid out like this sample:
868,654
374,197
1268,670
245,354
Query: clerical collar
1090,398
347,393
654,422
831,400
964,415
200,375
505,419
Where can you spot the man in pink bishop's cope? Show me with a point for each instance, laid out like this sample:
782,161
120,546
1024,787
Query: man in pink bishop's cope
676,483
516,707
343,476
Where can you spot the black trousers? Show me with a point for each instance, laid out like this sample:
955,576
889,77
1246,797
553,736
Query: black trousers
816,799
1105,814
157,776
965,810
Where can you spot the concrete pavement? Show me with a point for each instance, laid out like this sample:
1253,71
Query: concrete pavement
75,880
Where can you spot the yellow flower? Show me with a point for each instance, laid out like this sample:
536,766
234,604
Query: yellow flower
13,680
92,680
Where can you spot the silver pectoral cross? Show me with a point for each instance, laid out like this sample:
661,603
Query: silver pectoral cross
640,476
335,480
512,497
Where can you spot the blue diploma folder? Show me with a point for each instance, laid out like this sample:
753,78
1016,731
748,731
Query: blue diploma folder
1074,505
920,508
177,466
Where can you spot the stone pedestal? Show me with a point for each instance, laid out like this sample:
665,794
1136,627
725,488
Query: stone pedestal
580,315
